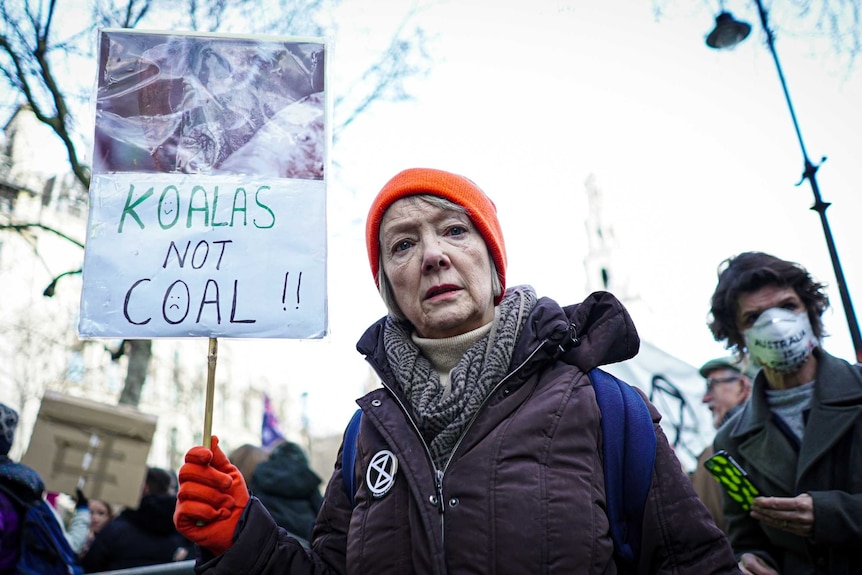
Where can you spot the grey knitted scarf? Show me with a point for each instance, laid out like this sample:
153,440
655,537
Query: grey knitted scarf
441,417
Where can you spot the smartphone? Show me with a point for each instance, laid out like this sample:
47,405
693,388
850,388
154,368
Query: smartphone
733,478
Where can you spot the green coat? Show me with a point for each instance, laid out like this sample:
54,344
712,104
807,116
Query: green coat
828,466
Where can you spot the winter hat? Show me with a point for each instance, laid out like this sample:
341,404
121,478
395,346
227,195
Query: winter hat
455,188
744,367
8,423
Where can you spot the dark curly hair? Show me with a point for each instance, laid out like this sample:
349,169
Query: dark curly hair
750,271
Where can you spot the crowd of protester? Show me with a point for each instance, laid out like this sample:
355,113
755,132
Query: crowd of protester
105,537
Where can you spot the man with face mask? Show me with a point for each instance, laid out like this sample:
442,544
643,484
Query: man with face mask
799,436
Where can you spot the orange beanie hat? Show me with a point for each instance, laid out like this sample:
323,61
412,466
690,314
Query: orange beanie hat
455,188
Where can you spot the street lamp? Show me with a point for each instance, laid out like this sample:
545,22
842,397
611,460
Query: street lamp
728,33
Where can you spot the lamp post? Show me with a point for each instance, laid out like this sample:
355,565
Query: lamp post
728,33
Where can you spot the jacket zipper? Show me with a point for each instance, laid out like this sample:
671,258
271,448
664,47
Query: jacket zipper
484,403
438,473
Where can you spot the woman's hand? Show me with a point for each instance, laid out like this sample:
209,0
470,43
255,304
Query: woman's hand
211,498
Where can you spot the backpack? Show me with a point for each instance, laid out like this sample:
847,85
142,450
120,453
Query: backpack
44,548
628,458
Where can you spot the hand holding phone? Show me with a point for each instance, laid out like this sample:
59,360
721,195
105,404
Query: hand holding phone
733,478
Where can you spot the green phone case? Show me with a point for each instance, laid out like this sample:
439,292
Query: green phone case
734,479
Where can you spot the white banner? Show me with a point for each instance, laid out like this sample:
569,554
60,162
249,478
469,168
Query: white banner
208,197
178,256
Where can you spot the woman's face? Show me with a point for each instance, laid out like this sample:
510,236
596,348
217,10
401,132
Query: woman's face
438,266
99,515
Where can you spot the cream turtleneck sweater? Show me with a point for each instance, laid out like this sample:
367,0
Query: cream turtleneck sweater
444,353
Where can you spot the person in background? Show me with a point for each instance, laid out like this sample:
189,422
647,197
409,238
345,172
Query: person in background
283,481
247,457
21,487
481,452
17,477
799,435
289,489
728,385
142,536
77,526
101,513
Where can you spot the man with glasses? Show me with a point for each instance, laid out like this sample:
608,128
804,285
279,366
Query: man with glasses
728,385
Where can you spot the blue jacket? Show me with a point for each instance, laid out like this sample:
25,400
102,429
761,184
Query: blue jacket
10,534
26,484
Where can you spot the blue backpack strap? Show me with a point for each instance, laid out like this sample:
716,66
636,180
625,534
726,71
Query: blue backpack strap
629,443
348,455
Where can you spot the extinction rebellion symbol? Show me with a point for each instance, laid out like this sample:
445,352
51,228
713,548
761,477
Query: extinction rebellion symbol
380,476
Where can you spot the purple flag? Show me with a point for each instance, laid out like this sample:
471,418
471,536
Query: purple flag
270,431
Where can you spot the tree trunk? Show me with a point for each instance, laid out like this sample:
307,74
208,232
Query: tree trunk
139,353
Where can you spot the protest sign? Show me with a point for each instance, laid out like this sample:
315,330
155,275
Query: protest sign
105,445
208,196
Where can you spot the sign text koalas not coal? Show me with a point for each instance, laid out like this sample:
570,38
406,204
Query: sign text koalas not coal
198,207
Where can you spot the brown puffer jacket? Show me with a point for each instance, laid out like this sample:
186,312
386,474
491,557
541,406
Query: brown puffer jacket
523,492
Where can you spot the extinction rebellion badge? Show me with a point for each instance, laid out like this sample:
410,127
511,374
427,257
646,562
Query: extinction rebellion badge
380,476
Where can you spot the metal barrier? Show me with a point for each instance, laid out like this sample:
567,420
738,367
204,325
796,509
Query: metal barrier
175,568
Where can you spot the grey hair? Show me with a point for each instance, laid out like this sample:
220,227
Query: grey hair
386,293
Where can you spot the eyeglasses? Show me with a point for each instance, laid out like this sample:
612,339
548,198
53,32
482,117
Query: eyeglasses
712,382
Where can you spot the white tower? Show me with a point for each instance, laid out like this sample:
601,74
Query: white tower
602,247
674,386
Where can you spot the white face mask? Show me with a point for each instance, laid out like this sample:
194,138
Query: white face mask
780,339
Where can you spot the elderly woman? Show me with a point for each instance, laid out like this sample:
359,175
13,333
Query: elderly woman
482,451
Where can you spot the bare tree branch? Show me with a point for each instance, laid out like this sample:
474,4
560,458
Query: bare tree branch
21,227
387,74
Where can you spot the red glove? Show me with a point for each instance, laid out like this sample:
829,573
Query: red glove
211,498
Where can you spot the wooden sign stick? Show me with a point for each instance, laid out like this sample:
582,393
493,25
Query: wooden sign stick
208,409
